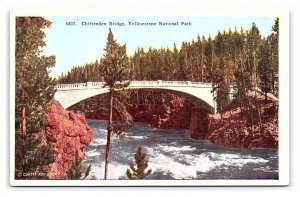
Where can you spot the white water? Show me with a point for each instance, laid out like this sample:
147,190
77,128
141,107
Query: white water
172,155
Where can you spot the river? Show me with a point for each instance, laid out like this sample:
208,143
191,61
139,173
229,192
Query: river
173,155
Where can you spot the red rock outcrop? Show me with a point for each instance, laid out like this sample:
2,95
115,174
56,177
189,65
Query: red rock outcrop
231,131
67,131
141,113
177,113
172,115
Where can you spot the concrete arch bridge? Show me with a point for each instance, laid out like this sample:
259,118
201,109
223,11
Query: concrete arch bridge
198,93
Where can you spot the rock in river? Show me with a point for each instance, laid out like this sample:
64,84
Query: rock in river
67,131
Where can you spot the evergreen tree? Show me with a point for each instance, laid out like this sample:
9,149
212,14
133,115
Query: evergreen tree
273,40
138,171
34,87
253,38
210,58
198,49
183,63
32,155
265,69
221,95
116,72
74,171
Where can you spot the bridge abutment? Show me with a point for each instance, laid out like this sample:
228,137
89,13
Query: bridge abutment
199,124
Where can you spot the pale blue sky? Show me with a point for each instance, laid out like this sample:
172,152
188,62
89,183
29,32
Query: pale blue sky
77,45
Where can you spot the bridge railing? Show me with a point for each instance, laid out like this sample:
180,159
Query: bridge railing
70,86
161,82
132,84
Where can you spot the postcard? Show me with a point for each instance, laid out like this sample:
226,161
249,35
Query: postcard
149,98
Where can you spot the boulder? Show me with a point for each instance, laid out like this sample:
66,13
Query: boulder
67,131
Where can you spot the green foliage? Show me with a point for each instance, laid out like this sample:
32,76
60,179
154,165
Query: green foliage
79,74
34,87
206,59
118,130
115,65
241,85
74,171
273,41
221,92
32,157
265,69
121,99
138,171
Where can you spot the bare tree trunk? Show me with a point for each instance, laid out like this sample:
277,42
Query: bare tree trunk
273,84
23,122
258,109
259,116
202,63
198,70
248,106
109,129
221,112
212,65
255,94
266,97
257,104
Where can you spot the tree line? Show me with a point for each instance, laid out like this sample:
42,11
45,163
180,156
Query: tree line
242,59
206,59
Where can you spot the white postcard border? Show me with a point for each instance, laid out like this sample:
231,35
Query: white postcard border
284,146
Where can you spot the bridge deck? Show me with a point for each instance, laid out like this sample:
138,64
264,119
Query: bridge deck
157,83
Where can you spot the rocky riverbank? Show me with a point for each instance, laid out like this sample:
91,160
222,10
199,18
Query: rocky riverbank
67,131
232,131
176,113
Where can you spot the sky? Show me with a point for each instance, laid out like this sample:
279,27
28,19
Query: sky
75,45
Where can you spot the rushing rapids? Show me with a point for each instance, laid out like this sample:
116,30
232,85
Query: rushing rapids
173,155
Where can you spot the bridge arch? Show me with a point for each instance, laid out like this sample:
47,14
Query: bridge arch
197,93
